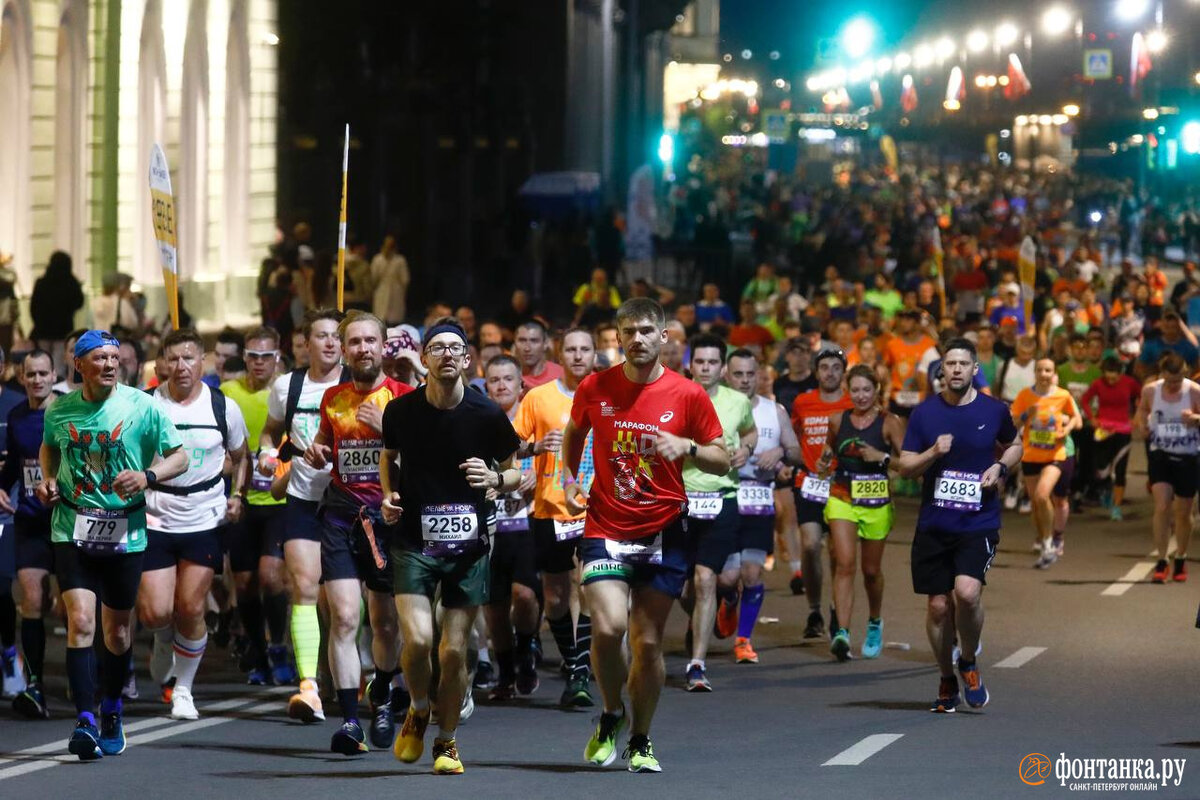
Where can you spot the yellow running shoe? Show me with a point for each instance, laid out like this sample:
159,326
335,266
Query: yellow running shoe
305,705
445,757
411,742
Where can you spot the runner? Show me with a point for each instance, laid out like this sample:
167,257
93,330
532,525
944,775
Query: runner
557,533
775,449
185,519
644,419
1116,396
255,543
34,554
294,408
910,384
860,506
514,579
446,438
953,436
1168,416
1046,414
810,420
713,517
351,549
795,381
98,444
11,668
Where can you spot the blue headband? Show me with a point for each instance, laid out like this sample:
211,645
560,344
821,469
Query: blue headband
443,328
93,339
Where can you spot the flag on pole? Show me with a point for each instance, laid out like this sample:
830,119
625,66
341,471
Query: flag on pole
162,212
939,258
1018,81
1027,268
955,87
1139,64
908,96
876,97
341,262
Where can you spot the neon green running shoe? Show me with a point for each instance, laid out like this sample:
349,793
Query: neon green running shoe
641,756
602,747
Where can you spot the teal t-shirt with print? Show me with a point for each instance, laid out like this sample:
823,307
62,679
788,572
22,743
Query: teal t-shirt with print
96,442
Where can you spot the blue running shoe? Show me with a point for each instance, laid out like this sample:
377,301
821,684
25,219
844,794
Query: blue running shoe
112,734
697,679
947,699
973,689
257,677
874,641
348,740
85,742
282,671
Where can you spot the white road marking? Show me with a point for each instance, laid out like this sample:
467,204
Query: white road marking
1136,574
1020,658
855,755
168,727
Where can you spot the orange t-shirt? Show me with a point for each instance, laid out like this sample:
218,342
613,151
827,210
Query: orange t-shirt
1042,428
544,409
902,359
810,418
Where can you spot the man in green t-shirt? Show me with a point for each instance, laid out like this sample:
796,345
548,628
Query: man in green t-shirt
98,445
712,499
1076,375
256,543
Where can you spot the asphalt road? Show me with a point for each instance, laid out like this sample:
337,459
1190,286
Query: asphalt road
1112,675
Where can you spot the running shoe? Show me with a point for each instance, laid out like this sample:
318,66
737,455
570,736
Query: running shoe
445,757
576,693
1047,558
168,690
538,655
162,660
257,677
1179,574
31,703
697,679
411,742
14,672
743,652
641,755
129,691
1160,571
485,675
973,689
85,742
815,627
725,625
527,678
112,733
182,704
769,564
467,708
1025,506
956,652
305,705
1115,514
348,739
874,641
834,626
282,671
1057,544
601,749
948,698
383,722
840,646
502,692
796,584
1010,500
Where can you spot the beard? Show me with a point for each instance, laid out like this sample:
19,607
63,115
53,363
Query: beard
366,374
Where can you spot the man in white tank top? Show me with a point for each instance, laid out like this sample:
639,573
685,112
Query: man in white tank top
1169,417
777,447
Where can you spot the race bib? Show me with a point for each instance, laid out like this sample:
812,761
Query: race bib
565,530
31,475
961,491
755,499
1168,431
907,398
1044,440
448,530
638,552
100,530
869,490
815,489
358,460
512,514
705,505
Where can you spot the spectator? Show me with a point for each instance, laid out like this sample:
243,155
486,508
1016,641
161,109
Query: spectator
711,309
519,311
359,287
760,289
114,307
644,288
466,317
57,296
390,277
595,302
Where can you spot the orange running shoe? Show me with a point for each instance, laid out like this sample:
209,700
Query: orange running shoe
1179,575
727,618
743,652
305,705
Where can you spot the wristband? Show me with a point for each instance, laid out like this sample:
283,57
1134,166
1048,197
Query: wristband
1003,469
693,449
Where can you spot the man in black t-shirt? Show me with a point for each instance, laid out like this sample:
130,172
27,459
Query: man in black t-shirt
446,440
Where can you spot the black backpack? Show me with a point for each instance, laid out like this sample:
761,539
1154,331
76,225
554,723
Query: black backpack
295,387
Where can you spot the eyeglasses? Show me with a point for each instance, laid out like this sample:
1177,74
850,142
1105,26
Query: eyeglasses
261,355
439,350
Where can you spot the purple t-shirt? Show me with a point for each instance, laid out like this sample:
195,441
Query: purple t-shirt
978,428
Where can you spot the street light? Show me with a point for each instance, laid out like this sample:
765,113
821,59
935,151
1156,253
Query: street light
977,41
857,37
904,60
923,56
1150,114
1156,41
1071,110
944,47
1056,20
1006,34
1130,10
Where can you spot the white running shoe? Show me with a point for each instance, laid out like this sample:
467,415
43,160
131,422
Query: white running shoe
162,660
468,706
182,705
13,668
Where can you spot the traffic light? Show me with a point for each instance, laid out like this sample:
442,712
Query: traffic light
666,149
1189,137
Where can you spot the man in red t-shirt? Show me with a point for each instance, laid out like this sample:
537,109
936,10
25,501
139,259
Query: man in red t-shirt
644,420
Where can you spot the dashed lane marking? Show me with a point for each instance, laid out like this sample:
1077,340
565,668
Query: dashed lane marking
1020,658
860,752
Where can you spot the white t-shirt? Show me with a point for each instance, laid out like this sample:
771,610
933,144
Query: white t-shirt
305,483
205,509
